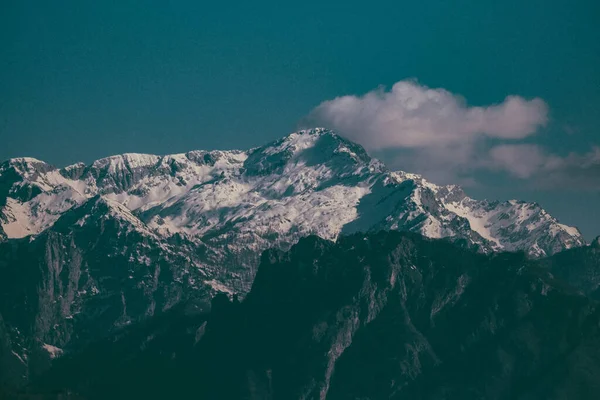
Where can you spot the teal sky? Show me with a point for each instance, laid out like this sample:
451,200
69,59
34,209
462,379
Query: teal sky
86,79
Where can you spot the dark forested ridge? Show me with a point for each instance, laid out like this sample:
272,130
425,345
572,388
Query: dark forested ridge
381,316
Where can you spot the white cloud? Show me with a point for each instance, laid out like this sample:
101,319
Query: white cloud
436,133
522,160
581,171
578,171
414,116
575,171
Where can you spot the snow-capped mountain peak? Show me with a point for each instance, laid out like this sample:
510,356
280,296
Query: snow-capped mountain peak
24,165
308,148
240,202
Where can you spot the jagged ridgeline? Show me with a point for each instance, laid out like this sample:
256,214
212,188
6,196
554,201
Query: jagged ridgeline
382,316
87,250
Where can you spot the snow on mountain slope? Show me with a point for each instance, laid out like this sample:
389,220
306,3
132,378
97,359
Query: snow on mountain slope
34,194
520,225
241,202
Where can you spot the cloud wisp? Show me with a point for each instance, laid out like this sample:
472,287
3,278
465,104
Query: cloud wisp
526,161
437,133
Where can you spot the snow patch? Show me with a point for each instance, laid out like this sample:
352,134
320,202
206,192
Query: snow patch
570,230
478,221
53,351
19,357
219,287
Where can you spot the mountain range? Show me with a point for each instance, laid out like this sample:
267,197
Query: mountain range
89,250
308,182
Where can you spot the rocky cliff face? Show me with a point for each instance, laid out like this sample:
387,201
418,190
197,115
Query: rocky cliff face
382,316
580,267
95,271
